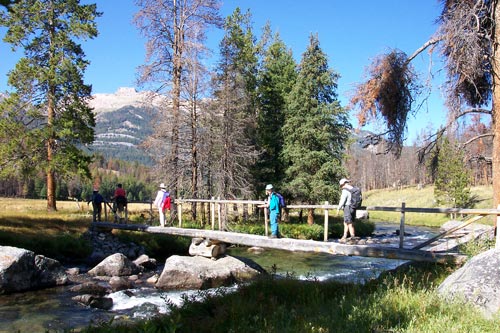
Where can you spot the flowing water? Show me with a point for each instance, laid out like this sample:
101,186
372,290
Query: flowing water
52,309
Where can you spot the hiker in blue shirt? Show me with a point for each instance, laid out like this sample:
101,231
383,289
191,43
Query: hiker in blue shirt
97,201
274,210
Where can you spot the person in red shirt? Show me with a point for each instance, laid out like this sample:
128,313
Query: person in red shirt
119,201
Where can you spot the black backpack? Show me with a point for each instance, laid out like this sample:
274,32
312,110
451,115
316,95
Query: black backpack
356,197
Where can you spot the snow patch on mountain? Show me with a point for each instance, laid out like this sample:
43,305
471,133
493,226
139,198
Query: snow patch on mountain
124,96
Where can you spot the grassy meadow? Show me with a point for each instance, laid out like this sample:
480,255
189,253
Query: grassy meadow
421,198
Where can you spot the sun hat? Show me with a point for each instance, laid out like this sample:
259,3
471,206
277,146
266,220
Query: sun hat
162,185
343,181
269,187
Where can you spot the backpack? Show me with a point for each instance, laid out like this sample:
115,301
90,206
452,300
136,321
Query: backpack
281,200
166,201
121,200
356,197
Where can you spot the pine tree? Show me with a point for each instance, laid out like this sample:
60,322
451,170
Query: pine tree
48,107
452,179
315,132
276,79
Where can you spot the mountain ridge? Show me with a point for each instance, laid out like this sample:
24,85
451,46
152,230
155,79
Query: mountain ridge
123,121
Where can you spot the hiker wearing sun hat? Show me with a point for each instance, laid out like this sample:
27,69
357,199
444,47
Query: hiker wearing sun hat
160,196
274,209
349,212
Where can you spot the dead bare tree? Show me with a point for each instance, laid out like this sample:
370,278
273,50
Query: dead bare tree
172,27
467,37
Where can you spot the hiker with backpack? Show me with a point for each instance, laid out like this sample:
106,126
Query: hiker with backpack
273,204
119,199
97,200
162,202
350,200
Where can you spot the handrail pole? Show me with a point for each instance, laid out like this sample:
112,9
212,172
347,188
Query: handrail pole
265,221
326,223
402,226
179,213
212,212
219,212
497,242
150,211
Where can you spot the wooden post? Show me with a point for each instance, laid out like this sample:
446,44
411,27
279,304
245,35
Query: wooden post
179,213
219,213
150,211
245,212
326,223
497,242
402,226
105,212
212,213
265,220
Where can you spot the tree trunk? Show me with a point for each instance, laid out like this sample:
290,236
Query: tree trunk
194,156
176,93
310,216
495,105
51,183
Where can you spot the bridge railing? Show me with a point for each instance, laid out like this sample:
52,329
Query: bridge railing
216,206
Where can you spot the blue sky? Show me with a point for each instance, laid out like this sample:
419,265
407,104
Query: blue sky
351,33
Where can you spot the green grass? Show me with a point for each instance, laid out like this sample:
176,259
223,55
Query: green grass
405,301
420,198
26,224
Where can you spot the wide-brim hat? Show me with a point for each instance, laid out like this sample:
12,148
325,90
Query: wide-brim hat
269,187
162,185
343,181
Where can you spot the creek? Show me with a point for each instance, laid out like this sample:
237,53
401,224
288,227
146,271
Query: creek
53,309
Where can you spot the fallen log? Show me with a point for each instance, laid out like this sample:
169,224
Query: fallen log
290,244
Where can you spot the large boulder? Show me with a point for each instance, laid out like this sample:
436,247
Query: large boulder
22,270
115,265
183,272
478,282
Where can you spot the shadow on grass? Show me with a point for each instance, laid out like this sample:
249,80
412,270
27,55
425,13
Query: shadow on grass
56,237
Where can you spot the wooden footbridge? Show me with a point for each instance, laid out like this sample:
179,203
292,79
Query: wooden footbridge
443,252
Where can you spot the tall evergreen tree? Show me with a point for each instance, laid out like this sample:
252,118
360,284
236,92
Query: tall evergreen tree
276,79
315,132
48,107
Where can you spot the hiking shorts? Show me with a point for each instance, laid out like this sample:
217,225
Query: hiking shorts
349,214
